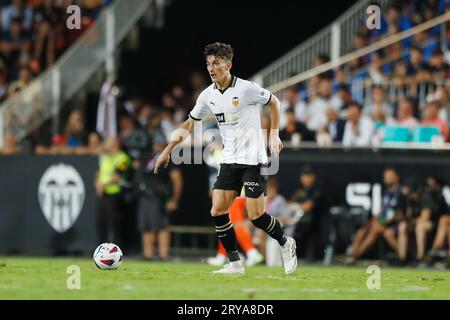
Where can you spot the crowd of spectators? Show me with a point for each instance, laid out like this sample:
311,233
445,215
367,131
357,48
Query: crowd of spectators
401,85
33,34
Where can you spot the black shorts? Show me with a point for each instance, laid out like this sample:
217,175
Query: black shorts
234,176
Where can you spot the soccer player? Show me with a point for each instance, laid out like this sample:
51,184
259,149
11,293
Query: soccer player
234,102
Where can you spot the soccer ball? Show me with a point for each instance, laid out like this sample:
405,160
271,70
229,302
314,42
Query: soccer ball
108,256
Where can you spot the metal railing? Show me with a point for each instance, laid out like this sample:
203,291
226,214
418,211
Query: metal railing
362,91
43,98
345,59
333,40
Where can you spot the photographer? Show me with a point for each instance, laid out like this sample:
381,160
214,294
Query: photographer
159,195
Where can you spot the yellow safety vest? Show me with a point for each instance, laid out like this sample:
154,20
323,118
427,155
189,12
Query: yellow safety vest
109,165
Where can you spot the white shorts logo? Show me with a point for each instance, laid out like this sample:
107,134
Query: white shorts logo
61,196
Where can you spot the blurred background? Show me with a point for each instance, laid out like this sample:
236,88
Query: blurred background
90,91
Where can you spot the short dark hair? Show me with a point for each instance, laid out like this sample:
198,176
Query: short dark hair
354,103
219,49
344,87
391,168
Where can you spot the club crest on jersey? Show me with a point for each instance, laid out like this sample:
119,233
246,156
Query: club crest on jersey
235,101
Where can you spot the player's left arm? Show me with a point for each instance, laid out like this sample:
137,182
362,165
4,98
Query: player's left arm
275,145
177,184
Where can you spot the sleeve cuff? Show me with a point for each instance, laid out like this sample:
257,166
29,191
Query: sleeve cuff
196,119
270,98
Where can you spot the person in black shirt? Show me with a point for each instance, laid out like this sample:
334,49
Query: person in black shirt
433,205
159,195
412,195
386,222
293,126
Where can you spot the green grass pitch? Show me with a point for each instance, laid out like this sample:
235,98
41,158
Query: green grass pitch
46,278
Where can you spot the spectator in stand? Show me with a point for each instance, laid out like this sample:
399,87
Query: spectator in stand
417,67
430,117
74,130
439,68
379,109
441,94
181,112
154,124
73,138
131,106
294,127
197,84
94,145
359,129
48,40
426,42
375,70
25,78
405,114
18,8
360,41
342,98
291,101
126,128
322,59
16,43
333,131
316,111
399,75
3,83
167,121
340,78
10,145
395,50
34,34
143,115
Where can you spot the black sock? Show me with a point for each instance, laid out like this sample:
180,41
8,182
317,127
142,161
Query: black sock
271,226
226,234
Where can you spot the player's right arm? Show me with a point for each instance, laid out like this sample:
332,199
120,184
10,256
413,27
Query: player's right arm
186,128
177,137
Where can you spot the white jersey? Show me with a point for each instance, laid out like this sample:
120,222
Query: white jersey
238,118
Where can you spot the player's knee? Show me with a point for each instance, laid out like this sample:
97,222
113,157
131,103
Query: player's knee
255,214
218,211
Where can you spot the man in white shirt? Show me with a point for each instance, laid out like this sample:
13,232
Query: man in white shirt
234,102
359,129
291,101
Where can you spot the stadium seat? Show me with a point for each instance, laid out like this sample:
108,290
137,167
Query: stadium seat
425,134
396,134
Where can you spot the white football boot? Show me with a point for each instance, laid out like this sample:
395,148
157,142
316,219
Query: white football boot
235,267
288,251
